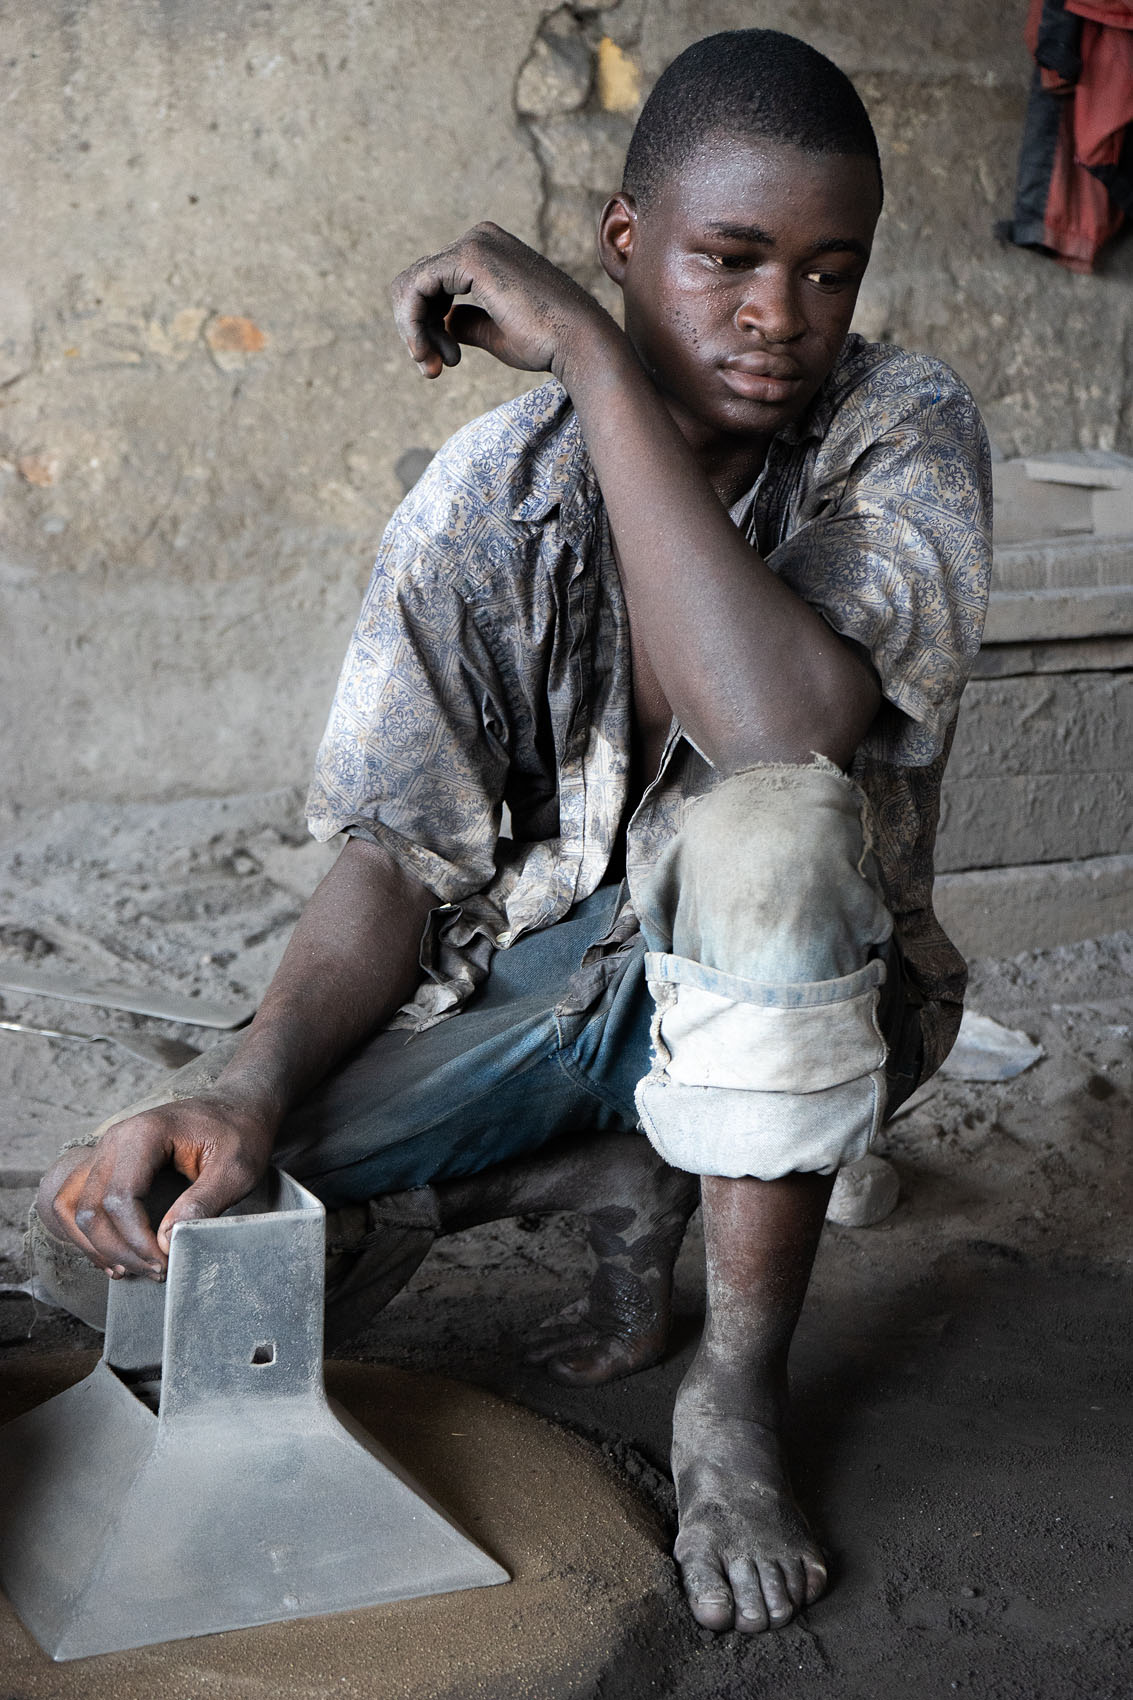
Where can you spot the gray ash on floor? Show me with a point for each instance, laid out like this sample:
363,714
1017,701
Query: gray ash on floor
962,1372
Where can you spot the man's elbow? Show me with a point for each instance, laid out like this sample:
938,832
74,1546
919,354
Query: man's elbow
849,708
827,714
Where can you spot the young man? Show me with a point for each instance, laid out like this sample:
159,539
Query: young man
699,611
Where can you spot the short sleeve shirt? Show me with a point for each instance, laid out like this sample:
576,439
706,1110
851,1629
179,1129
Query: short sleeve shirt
490,664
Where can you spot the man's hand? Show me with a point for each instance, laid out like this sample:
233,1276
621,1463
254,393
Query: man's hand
521,308
353,958
94,1194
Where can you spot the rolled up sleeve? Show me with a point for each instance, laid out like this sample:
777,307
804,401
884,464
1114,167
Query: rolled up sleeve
415,753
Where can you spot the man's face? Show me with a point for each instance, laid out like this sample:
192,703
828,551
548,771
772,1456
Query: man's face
740,280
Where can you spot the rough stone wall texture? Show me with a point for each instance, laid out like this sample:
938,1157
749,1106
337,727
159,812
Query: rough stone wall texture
203,404
1039,772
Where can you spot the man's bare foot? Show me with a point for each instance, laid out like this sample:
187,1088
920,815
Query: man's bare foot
621,1324
636,1210
747,1558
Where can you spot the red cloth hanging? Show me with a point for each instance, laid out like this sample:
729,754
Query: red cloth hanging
1076,165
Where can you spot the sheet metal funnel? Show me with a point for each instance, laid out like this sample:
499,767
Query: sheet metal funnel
199,1479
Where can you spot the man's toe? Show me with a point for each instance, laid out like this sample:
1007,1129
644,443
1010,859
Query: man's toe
780,1606
815,1578
709,1596
752,1616
795,1580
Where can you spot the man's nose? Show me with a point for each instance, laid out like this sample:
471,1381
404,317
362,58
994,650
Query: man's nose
772,309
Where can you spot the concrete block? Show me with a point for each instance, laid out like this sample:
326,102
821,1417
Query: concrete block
1023,509
1067,655
865,1192
995,822
1002,911
1061,563
1112,512
1024,616
1039,771
1092,469
1068,723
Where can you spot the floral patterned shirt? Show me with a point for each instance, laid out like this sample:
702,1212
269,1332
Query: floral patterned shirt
490,665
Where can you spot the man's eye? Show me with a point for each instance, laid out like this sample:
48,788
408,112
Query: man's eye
730,262
829,280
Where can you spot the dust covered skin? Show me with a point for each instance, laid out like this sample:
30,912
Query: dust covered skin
960,1377
622,1325
747,1557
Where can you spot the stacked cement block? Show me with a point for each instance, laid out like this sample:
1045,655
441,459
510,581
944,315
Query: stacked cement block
1036,839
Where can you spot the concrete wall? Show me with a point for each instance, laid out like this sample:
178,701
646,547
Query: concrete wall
1039,771
203,404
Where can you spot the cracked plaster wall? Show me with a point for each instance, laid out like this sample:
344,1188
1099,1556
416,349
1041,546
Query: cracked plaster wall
203,407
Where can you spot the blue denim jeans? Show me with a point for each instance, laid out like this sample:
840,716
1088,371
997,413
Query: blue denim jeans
511,1071
759,1023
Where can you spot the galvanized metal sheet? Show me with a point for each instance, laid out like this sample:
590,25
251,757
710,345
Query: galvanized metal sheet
199,1479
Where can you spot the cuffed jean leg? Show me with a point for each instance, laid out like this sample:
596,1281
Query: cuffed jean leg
766,935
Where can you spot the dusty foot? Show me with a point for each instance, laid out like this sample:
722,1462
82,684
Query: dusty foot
747,1558
636,1209
622,1324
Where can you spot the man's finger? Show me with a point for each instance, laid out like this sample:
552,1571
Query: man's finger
109,1209
421,300
220,1184
471,325
61,1197
120,1234
60,1187
110,1213
57,1201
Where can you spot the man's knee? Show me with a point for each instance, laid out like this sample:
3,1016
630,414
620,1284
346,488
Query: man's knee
772,877
765,923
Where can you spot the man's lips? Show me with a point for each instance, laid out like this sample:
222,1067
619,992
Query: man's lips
761,378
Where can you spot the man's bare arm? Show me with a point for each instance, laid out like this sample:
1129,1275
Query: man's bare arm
352,960
751,671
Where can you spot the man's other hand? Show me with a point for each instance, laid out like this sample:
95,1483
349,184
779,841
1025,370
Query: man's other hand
94,1194
521,309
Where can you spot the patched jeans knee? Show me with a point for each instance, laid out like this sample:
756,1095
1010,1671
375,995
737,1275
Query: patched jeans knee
766,932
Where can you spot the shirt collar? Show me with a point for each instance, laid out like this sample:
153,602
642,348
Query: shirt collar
561,476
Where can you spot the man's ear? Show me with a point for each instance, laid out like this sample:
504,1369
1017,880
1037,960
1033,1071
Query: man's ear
617,233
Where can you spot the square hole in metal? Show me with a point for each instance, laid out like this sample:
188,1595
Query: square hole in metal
264,1353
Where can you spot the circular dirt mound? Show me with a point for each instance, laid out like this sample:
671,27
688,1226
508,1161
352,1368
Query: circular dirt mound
587,1561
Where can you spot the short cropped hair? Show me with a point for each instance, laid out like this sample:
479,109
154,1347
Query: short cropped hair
760,83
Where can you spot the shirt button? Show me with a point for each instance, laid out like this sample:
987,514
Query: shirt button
503,938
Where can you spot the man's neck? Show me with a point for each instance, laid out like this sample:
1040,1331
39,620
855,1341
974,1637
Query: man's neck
730,463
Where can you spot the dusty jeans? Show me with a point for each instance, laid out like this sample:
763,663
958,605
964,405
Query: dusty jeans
759,1023
768,948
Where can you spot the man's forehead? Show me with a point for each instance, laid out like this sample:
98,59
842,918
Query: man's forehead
751,183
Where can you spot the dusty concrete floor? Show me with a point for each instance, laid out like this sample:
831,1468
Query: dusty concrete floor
962,1371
